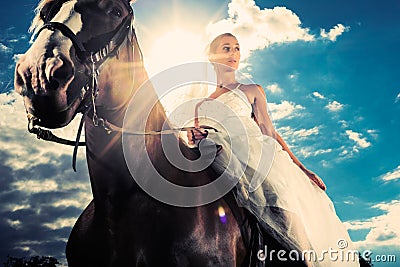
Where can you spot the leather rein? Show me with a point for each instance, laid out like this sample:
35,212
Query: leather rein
92,60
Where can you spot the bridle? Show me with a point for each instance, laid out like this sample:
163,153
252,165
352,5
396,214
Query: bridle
92,61
94,57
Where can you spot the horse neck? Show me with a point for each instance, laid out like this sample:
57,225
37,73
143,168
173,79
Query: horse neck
109,172
108,169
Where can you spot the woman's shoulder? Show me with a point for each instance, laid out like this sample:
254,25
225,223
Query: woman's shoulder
253,90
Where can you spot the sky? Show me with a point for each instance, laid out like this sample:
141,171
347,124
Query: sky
330,70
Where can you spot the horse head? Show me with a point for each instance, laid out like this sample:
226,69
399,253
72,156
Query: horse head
58,75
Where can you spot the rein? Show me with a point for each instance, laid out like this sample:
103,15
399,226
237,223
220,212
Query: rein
92,62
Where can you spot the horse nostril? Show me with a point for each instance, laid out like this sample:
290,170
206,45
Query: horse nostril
54,84
58,72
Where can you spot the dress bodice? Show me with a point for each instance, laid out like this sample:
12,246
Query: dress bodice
231,103
237,100
231,112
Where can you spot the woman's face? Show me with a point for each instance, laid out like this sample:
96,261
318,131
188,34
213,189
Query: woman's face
227,52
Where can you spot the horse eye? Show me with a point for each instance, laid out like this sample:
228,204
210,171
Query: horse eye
117,12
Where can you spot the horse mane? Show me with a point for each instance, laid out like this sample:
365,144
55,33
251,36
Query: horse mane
37,21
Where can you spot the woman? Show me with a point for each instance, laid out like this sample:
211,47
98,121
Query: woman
287,199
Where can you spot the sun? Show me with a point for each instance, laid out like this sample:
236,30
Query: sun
175,47
171,49
172,38
168,50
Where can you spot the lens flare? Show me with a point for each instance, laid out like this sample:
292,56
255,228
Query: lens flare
222,215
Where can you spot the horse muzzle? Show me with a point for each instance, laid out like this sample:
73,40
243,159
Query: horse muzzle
47,82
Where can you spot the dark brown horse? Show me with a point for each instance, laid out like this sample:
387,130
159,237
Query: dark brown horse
85,56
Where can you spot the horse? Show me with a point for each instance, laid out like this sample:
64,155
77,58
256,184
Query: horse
86,59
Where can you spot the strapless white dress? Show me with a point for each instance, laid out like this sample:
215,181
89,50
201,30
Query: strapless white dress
267,179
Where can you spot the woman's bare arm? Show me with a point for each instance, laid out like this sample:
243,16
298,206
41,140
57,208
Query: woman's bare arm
264,122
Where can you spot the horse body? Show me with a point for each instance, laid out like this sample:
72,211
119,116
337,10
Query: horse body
127,227
123,225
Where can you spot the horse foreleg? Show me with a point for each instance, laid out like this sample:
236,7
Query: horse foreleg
87,245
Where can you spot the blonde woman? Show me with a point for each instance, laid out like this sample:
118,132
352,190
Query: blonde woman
288,199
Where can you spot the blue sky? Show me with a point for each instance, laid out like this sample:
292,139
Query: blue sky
331,73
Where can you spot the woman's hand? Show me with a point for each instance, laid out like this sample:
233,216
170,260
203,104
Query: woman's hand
196,134
315,178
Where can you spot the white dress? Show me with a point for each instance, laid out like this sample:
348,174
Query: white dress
269,179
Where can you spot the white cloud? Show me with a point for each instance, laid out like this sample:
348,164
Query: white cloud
334,106
36,186
344,123
344,152
16,207
23,145
318,95
289,132
5,49
285,109
307,132
16,224
397,98
61,223
38,183
274,88
81,202
384,230
334,32
258,28
305,152
311,152
373,133
359,224
392,175
322,151
356,137
25,249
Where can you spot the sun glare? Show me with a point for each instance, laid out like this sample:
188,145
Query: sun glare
173,39
175,47
171,49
